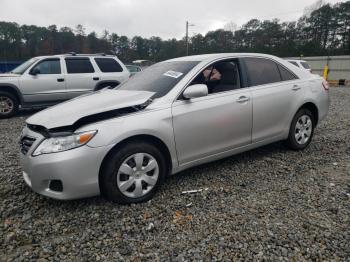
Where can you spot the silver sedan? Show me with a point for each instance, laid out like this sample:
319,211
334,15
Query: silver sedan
123,143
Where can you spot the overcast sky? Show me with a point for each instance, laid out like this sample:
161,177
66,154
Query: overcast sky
147,18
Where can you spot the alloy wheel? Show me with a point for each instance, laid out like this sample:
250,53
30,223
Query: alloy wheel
6,105
303,129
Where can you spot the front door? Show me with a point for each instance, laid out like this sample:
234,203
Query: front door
215,123
46,85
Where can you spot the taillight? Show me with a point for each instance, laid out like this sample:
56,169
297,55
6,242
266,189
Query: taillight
325,84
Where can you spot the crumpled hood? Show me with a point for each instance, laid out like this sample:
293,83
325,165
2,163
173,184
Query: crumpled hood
68,113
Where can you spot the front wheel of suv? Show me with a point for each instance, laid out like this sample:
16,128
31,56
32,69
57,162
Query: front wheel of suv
301,130
8,105
133,173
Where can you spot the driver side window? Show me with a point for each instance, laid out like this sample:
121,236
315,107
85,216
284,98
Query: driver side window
48,67
220,77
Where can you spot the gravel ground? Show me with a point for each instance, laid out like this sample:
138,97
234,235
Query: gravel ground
267,204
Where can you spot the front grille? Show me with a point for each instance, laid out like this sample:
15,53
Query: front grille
26,143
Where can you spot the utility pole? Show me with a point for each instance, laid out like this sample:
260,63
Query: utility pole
187,26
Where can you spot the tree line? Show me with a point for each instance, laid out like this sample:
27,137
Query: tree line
323,31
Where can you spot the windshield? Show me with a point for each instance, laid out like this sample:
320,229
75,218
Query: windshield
23,67
159,78
132,68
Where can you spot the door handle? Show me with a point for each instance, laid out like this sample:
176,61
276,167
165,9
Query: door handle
296,88
60,79
242,99
96,78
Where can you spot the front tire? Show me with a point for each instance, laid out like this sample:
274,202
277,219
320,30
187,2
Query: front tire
8,105
301,130
132,173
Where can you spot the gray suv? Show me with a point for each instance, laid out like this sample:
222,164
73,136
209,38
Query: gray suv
122,143
47,80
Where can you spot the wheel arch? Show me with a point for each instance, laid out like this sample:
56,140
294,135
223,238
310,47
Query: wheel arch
141,138
313,108
12,89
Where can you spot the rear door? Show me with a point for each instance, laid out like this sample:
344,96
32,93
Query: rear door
111,70
48,85
276,94
81,76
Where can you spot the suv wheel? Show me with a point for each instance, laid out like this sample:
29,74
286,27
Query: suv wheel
8,105
301,130
133,173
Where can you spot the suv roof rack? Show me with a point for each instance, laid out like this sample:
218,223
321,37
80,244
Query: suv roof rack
97,54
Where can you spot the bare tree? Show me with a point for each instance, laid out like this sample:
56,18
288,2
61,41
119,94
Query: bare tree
231,26
80,30
316,5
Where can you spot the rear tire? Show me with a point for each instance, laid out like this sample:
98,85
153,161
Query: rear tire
301,130
9,105
132,173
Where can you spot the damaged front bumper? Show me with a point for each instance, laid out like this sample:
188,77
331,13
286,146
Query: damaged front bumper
65,175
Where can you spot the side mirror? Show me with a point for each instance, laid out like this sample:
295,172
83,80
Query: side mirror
34,72
195,91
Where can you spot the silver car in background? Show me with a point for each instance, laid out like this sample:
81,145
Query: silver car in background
301,64
133,69
48,80
123,143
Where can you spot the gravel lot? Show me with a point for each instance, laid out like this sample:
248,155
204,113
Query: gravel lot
267,204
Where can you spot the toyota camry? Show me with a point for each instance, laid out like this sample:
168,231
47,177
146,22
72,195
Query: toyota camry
122,143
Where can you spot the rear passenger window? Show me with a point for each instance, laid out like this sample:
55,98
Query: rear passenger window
286,74
262,71
79,65
108,65
294,63
305,65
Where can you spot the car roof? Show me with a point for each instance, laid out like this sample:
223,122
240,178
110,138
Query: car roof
205,57
75,55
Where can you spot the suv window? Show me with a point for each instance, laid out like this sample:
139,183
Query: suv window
262,71
51,66
79,65
108,65
286,74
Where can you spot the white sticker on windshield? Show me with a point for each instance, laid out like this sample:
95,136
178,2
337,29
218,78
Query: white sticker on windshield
173,74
